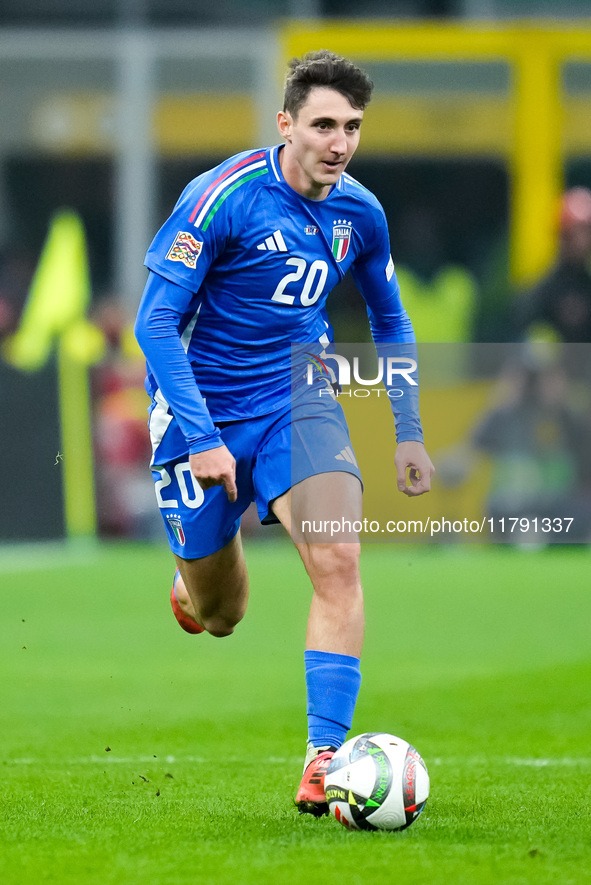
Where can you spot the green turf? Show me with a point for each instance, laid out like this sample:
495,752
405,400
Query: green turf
133,753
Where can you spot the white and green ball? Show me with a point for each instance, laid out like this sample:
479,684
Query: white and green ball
376,781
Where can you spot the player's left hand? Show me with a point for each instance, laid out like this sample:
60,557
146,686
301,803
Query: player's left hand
413,457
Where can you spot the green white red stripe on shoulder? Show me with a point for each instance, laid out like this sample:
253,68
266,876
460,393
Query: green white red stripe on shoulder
219,190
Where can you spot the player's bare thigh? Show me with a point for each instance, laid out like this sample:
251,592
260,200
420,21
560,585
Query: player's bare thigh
322,509
213,590
320,513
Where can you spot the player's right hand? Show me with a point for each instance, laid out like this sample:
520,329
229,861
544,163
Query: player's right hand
215,467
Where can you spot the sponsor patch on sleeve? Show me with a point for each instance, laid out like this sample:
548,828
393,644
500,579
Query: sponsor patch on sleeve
186,249
389,269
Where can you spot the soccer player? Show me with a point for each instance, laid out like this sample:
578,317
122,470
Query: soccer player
239,274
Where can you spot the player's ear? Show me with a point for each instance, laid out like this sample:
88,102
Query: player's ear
284,124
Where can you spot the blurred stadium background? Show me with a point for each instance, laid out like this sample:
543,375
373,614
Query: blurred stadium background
480,121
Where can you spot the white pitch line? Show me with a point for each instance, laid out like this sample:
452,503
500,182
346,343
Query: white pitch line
108,759
527,762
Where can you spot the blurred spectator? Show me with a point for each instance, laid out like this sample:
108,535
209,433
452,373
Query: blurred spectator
125,494
539,446
536,436
17,267
559,306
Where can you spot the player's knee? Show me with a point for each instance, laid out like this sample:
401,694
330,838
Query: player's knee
219,629
220,625
337,563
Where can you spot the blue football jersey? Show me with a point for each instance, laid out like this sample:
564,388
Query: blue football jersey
252,263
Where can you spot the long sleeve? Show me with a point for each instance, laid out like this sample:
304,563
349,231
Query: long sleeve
392,333
162,312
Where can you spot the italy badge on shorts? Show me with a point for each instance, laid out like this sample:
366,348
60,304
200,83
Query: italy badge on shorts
341,238
176,526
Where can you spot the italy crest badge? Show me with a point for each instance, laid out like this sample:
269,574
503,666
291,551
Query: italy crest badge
341,238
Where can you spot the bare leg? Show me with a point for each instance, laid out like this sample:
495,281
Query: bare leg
336,621
213,590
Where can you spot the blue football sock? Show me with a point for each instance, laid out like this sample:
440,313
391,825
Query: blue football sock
332,684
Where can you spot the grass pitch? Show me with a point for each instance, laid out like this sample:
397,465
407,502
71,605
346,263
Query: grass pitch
134,753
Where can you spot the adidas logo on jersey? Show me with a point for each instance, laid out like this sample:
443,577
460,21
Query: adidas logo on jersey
347,455
274,243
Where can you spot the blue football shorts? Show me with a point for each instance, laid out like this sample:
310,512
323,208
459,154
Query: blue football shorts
273,453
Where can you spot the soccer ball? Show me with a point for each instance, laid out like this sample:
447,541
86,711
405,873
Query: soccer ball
376,781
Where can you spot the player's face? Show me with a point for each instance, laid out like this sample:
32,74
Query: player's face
320,141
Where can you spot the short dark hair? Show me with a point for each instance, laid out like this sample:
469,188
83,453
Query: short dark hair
324,68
